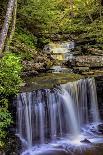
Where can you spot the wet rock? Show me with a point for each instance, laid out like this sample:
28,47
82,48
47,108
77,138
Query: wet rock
85,141
30,73
13,146
100,128
99,86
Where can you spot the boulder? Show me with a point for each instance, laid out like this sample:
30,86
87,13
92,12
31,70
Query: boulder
85,141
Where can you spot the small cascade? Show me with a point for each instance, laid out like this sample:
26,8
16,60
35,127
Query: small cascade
47,115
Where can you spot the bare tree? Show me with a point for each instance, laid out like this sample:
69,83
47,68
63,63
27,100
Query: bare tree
7,20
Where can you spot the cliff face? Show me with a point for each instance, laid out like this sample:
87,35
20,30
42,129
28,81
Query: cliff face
99,84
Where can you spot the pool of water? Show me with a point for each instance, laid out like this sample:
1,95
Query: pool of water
89,142
65,147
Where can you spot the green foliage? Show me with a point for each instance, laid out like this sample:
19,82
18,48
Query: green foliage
9,74
43,18
10,81
25,37
5,119
24,44
40,18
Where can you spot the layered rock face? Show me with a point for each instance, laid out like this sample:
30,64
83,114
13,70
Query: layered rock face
99,86
40,63
89,61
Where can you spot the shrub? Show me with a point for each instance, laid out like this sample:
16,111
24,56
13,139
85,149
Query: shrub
5,119
10,81
10,69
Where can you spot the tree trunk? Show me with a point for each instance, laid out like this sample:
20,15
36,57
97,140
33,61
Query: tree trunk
100,8
13,24
6,24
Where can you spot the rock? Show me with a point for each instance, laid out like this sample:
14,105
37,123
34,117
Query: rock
85,141
80,70
30,73
85,41
99,85
22,84
40,63
13,146
89,61
100,128
87,73
95,51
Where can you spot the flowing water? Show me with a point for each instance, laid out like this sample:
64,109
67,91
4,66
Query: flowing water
58,119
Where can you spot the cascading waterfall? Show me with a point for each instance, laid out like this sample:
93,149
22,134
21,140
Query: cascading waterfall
50,114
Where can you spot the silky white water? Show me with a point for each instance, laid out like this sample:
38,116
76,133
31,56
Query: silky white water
71,115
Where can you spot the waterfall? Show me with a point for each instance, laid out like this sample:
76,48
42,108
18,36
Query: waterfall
94,103
71,115
49,114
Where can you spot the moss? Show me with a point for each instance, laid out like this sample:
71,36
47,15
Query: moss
48,80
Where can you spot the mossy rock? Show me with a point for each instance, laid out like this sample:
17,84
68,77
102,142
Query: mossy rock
48,80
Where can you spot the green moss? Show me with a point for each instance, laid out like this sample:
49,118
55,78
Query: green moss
48,80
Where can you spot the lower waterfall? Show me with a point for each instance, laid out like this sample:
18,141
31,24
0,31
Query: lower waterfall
48,115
